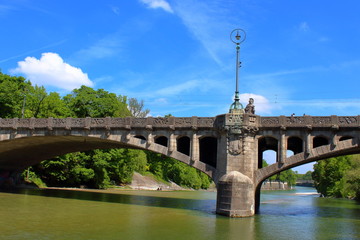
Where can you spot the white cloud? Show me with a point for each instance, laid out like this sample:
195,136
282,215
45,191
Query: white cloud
104,48
203,85
262,104
211,22
304,27
51,70
115,10
323,39
158,4
177,89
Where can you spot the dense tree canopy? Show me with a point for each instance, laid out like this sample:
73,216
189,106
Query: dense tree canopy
12,93
338,177
87,102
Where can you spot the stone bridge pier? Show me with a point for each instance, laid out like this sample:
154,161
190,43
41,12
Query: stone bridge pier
237,162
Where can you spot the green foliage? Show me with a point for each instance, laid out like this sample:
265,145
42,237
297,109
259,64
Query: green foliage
306,176
12,93
352,178
172,170
338,177
87,102
31,176
288,176
264,163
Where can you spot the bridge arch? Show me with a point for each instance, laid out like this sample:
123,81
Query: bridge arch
162,140
295,144
266,143
320,141
344,147
208,150
346,137
140,137
24,150
183,145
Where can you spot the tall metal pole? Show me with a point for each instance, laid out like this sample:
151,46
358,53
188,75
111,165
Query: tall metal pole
237,107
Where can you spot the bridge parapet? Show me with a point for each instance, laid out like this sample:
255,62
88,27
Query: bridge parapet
307,121
122,123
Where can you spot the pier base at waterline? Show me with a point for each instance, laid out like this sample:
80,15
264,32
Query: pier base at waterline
235,195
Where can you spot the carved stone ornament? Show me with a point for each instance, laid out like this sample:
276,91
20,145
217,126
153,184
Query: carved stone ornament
234,145
250,129
235,129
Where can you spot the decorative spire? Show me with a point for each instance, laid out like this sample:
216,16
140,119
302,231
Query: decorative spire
240,36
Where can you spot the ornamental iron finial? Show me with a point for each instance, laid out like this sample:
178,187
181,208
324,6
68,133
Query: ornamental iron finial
237,36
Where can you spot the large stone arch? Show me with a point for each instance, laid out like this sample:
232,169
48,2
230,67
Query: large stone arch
26,149
344,147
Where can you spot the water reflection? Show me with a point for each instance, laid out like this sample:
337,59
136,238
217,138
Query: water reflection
64,214
123,197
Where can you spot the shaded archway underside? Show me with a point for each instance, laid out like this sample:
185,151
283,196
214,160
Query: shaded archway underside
346,147
20,153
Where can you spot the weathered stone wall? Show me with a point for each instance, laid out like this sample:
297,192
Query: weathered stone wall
275,185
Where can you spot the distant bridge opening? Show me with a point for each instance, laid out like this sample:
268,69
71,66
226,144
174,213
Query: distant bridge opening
162,141
183,145
208,150
264,144
295,144
140,137
343,138
320,141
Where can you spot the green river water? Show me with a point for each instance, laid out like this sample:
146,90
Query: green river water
121,214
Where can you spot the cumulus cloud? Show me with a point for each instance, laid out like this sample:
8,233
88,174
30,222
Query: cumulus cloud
262,104
51,70
158,4
304,27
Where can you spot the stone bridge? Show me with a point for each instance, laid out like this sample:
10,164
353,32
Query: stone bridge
227,147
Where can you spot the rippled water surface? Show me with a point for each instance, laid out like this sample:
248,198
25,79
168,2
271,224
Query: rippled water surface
119,214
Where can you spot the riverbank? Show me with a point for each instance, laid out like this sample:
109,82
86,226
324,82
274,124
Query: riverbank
140,182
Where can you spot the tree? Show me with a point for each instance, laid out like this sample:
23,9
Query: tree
352,178
329,175
288,176
137,108
12,94
87,102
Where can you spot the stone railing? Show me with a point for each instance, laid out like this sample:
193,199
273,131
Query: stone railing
126,123
182,122
310,121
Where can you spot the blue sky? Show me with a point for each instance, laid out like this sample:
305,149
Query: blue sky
298,57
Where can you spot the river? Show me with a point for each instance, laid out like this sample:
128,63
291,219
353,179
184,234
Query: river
123,214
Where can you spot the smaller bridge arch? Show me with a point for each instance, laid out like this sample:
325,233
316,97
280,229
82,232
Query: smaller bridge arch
140,137
208,150
266,143
162,140
295,144
320,141
346,137
183,145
